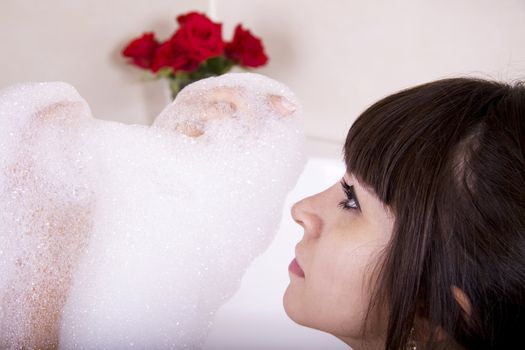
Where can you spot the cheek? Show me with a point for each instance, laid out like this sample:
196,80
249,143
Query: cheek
333,297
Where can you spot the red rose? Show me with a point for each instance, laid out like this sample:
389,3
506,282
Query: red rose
196,40
172,54
246,48
200,36
142,50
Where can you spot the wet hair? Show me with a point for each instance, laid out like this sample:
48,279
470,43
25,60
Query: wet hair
448,159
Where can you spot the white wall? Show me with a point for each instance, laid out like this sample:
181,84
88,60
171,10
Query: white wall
342,55
338,55
80,42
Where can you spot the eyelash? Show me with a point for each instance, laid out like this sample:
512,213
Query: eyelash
349,191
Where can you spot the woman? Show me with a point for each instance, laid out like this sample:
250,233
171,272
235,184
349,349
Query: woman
422,243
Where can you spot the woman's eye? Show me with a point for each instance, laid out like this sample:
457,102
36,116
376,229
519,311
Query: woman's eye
350,203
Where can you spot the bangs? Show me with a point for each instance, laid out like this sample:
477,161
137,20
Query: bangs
400,145
379,144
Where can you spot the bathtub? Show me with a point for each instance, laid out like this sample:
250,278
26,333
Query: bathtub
254,317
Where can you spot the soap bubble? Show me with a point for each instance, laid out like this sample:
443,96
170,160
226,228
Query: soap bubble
124,236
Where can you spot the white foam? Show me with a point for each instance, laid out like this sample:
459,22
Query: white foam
160,226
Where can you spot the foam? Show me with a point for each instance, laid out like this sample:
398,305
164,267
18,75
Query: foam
156,228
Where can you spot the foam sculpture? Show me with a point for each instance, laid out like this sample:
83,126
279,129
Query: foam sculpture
116,236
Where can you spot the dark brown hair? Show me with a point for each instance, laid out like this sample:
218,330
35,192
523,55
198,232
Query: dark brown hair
447,157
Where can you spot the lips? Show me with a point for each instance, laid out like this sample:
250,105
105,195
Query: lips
296,269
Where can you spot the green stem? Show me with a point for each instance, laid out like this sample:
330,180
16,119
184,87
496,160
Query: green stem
212,67
174,87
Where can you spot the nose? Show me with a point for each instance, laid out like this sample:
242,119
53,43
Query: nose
296,214
304,213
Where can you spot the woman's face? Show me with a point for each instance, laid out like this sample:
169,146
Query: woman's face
338,252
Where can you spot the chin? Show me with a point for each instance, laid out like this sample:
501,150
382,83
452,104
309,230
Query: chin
291,304
294,307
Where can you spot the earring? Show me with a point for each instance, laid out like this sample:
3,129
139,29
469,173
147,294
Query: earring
411,343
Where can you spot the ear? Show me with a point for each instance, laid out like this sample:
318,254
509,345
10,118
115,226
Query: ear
462,300
423,328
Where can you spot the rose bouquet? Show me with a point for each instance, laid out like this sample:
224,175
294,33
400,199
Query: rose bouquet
195,51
